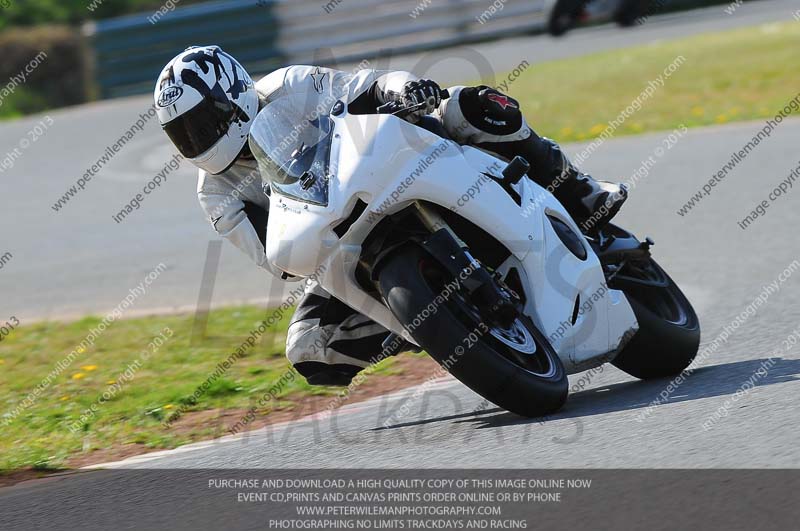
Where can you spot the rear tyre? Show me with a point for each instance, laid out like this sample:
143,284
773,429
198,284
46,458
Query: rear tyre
630,11
669,330
515,368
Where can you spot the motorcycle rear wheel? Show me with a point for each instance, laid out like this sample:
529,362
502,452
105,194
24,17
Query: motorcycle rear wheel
515,368
669,330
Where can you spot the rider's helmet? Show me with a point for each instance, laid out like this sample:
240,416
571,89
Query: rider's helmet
206,103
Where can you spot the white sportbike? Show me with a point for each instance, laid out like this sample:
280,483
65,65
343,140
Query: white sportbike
453,250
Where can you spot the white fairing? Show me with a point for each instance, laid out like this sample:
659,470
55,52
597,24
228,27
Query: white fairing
389,163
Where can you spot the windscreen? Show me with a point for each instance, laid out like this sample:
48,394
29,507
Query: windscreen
292,147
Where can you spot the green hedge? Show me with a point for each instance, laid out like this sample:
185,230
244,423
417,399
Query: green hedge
28,27
59,79
35,12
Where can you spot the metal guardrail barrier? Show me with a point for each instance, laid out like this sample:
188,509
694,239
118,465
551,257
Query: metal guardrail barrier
266,34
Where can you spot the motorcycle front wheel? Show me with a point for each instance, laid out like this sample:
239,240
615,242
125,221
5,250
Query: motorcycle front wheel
564,16
516,368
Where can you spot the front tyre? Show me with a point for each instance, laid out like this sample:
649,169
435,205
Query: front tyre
669,330
515,368
564,16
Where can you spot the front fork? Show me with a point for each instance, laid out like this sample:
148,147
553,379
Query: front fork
497,303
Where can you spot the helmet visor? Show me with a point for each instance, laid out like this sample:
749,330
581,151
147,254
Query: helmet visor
197,130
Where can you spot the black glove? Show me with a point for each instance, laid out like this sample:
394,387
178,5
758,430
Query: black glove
422,91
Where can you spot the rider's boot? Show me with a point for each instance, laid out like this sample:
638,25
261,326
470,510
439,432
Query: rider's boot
484,117
590,202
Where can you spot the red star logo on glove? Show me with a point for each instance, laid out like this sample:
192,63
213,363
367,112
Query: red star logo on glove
502,100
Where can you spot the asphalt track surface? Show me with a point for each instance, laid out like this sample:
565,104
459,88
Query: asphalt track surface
79,260
607,424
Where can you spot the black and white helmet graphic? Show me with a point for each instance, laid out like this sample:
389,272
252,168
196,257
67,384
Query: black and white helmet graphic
206,103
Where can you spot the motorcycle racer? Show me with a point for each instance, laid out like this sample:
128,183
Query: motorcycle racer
206,102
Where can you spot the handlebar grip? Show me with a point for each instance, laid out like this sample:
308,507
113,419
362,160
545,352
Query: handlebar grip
394,107
391,107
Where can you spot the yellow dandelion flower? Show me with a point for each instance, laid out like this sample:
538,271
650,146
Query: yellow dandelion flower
721,119
64,398
168,406
597,129
2,361
698,111
89,368
78,376
81,350
111,382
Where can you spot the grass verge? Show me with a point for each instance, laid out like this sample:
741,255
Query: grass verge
728,76
145,386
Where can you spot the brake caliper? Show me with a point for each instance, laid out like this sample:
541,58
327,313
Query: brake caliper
496,302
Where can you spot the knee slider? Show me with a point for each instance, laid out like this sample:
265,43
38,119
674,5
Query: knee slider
490,110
